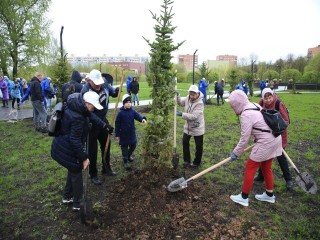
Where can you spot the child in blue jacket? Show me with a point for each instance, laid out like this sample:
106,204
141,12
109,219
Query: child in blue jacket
125,131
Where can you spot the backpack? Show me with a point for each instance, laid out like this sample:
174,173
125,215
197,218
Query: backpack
273,119
278,106
54,125
68,91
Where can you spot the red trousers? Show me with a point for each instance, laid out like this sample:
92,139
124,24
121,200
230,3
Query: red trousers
250,170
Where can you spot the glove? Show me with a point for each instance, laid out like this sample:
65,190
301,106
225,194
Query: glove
144,121
178,113
116,91
233,156
177,93
108,128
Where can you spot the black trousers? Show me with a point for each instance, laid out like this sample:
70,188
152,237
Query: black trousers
74,187
186,148
127,151
14,100
283,163
96,135
220,96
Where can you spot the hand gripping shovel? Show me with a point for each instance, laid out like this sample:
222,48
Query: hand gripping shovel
181,183
175,158
304,180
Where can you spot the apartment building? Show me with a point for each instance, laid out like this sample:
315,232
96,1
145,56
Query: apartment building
313,51
187,61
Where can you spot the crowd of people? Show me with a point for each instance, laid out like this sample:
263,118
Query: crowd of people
85,123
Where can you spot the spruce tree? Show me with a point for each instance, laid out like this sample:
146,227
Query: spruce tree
158,141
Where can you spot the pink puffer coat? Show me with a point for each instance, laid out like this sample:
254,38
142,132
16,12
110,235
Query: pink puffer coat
266,145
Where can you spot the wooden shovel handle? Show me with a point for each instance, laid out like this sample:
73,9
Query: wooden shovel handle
112,121
175,118
216,165
290,161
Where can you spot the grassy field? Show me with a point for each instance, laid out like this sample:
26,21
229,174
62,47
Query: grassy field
31,182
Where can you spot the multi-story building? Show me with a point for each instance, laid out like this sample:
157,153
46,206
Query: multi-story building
134,63
313,51
232,59
187,61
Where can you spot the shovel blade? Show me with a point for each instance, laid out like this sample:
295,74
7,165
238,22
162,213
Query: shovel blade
175,161
86,214
177,185
307,183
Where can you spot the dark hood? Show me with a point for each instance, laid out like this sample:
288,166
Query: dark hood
76,103
76,76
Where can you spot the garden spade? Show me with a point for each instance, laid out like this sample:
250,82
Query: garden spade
175,158
181,183
304,180
86,204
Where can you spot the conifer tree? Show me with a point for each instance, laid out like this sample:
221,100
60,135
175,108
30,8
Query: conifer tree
158,141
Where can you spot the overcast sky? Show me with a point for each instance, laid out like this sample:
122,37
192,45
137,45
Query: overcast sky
270,29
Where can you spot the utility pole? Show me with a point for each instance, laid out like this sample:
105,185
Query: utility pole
193,66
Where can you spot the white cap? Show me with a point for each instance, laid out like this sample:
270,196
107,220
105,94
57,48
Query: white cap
125,96
193,88
93,98
96,77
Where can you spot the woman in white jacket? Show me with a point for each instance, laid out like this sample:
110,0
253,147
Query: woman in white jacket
194,124
265,149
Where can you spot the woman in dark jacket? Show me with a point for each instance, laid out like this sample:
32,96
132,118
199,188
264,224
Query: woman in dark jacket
68,148
134,90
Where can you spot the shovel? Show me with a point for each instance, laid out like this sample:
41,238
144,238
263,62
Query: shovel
86,214
114,115
181,183
175,158
304,180
86,204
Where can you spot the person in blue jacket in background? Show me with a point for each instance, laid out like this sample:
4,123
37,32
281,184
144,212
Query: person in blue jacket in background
203,88
128,84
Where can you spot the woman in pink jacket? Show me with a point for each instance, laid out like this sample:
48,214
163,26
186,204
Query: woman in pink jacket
265,149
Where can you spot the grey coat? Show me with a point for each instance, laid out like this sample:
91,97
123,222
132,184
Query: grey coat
193,115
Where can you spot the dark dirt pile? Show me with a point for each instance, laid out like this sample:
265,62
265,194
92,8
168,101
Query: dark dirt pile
141,207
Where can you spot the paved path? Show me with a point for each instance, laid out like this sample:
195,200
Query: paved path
8,114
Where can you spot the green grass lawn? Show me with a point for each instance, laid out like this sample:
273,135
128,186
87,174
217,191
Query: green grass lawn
31,182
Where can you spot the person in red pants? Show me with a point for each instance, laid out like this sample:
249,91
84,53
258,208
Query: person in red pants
266,148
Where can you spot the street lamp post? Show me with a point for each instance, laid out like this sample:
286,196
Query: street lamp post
100,66
61,44
193,66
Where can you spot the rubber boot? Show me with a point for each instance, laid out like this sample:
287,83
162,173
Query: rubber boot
134,103
106,169
126,164
138,103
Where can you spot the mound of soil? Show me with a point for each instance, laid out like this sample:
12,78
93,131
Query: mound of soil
140,207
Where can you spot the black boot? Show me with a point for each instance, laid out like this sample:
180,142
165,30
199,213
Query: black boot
259,177
138,103
134,103
126,164
108,170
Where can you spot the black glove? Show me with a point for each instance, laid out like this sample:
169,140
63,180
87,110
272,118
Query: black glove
116,91
178,113
108,128
177,93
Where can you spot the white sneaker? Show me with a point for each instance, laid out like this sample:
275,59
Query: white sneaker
265,198
239,199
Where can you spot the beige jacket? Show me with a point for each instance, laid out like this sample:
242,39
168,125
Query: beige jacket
193,115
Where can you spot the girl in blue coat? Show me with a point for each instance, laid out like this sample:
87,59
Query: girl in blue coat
125,131
16,94
68,148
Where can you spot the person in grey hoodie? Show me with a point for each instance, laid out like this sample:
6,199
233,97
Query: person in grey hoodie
194,124
266,148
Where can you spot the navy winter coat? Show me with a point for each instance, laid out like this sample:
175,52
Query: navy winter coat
68,148
125,128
